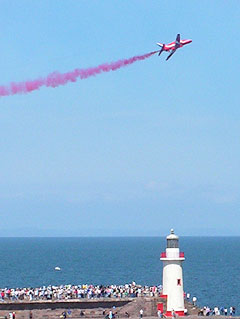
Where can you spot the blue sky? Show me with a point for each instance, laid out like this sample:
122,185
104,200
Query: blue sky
133,152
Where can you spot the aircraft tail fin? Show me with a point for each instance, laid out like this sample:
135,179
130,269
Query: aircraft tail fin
163,47
178,38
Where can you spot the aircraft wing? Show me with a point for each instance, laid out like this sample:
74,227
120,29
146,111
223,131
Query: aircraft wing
173,51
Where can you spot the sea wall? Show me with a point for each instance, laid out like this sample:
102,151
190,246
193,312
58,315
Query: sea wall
65,304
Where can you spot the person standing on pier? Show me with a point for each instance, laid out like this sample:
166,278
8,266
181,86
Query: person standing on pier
194,300
231,311
173,314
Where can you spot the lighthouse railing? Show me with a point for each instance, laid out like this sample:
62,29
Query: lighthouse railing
180,255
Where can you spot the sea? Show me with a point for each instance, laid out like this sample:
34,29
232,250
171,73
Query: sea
211,268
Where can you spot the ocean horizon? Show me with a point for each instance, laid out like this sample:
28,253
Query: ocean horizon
119,236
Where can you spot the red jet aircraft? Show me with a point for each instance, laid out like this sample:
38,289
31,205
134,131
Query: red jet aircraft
173,46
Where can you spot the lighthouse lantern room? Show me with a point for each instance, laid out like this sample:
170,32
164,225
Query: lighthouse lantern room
173,276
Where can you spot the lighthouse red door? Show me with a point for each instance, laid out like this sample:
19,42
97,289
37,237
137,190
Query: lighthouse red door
160,306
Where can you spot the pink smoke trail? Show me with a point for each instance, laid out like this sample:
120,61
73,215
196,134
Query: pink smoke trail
55,79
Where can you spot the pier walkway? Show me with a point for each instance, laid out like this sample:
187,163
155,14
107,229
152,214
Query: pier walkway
84,308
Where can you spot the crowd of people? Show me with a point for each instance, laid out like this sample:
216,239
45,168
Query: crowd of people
64,292
217,311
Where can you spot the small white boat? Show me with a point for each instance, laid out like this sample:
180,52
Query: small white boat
57,268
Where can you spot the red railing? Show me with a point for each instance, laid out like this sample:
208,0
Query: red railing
163,255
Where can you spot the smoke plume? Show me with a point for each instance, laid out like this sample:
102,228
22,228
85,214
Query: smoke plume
55,79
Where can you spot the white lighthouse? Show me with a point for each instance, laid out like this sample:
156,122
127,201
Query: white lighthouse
173,276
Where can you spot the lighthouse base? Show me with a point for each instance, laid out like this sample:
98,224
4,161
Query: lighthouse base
179,313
